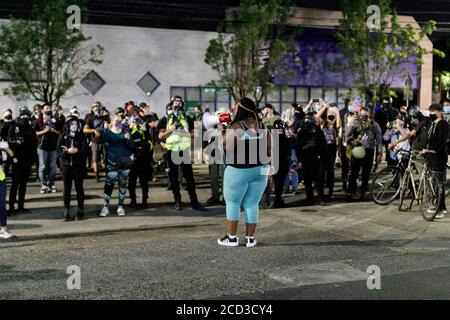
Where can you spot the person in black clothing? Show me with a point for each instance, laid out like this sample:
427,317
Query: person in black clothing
418,126
386,114
175,130
310,152
143,146
22,141
151,122
37,113
94,123
284,156
437,161
5,125
72,154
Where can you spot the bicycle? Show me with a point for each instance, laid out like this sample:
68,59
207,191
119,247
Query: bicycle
385,185
426,191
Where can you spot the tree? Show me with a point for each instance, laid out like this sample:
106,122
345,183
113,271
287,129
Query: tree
376,56
42,56
253,49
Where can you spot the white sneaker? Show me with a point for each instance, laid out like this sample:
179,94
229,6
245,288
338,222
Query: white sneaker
121,211
5,234
250,242
105,211
53,189
44,189
444,211
228,242
440,215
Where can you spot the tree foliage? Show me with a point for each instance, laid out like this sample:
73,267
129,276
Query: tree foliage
42,56
253,48
376,56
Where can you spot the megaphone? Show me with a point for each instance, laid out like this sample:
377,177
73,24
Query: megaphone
209,120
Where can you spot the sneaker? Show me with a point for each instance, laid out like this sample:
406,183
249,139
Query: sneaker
444,211
53,189
5,234
121,211
105,211
439,215
44,189
250,242
228,242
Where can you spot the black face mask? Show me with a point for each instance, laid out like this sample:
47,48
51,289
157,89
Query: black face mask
364,118
48,113
433,117
331,118
8,117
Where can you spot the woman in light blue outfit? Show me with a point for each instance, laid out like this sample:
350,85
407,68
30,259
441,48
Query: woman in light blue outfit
246,172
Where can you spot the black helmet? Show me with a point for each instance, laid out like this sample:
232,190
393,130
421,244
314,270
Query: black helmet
177,98
279,124
119,110
413,112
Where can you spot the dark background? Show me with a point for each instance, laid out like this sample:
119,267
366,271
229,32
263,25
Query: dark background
205,14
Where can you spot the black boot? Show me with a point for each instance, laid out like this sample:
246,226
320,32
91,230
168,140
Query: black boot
67,217
363,196
344,185
177,206
80,214
11,212
330,197
133,204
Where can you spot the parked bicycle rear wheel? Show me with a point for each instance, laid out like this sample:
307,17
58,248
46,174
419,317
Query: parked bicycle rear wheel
429,198
386,185
447,181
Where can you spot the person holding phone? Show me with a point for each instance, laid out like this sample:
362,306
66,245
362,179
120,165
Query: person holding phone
72,147
47,131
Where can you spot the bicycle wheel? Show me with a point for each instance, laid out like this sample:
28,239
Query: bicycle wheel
429,198
386,185
447,181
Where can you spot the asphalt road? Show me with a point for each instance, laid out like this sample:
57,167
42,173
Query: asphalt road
293,261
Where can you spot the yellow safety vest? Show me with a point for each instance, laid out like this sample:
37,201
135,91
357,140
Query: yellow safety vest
136,129
2,174
178,141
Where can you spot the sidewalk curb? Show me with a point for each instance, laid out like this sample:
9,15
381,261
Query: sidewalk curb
47,236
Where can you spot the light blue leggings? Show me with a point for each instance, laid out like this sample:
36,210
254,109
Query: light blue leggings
244,188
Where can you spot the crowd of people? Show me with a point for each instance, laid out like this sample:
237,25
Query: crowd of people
314,140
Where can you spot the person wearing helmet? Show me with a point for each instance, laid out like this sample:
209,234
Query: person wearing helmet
175,130
363,137
418,134
310,152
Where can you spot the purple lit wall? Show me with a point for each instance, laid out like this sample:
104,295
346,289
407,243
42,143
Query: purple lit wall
318,52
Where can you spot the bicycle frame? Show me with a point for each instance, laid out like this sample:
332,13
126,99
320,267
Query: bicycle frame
409,179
